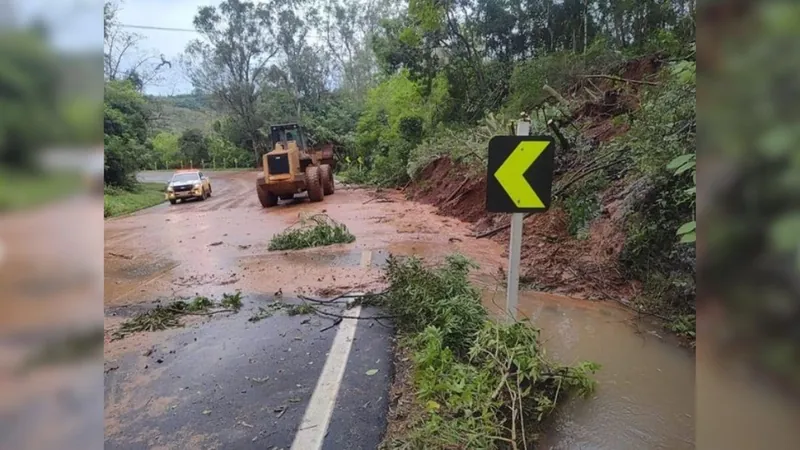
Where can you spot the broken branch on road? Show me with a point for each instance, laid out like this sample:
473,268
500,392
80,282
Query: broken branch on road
163,317
313,231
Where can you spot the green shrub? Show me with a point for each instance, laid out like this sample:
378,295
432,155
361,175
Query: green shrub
582,203
474,378
314,231
441,297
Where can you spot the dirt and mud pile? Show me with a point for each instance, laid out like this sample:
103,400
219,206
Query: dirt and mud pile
552,258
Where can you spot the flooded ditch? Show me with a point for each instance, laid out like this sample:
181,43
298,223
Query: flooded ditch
645,395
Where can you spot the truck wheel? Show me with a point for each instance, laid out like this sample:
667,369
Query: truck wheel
326,173
172,201
314,184
266,197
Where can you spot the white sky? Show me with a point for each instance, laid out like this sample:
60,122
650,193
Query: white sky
78,25
166,14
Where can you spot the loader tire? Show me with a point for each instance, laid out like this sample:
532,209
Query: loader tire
326,173
266,197
314,184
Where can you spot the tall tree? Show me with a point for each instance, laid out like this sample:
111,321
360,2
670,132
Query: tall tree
230,60
123,57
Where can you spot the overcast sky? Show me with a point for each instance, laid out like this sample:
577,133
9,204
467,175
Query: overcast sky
78,25
164,14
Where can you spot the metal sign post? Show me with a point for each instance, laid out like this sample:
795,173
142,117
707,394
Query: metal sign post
519,181
515,243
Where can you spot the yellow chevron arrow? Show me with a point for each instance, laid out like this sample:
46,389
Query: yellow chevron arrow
511,174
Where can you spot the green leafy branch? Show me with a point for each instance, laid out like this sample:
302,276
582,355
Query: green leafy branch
680,165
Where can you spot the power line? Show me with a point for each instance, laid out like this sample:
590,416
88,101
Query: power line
146,27
188,30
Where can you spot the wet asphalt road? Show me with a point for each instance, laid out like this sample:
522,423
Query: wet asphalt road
229,383
195,387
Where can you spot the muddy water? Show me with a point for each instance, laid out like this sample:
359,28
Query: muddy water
645,395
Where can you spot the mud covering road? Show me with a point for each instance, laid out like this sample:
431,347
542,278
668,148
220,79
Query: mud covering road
222,381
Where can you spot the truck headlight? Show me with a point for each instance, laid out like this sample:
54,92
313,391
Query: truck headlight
169,189
198,185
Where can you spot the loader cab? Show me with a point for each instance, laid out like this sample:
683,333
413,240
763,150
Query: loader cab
287,135
288,158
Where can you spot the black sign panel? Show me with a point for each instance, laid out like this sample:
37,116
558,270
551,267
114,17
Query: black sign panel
520,175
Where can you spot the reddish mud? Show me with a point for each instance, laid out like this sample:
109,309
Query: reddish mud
220,245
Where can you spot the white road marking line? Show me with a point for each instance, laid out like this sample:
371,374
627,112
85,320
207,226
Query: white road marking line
314,426
366,258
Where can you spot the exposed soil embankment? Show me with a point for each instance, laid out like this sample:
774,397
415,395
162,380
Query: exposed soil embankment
552,258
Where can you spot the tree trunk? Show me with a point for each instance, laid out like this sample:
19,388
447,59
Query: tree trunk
585,25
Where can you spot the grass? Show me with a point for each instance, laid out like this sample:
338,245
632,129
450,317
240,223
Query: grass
19,190
118,201
478,384
314,231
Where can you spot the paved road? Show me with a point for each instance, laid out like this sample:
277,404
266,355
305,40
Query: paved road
225,382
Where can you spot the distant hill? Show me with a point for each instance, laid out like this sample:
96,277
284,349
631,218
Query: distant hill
177,113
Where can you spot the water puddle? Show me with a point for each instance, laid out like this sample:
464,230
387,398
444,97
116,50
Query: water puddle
645,395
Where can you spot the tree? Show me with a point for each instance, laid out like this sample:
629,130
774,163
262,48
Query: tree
166,149
230,60
126,122
224,153
194,146
122,57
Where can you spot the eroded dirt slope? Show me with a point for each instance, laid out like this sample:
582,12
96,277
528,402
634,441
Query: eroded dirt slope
552,259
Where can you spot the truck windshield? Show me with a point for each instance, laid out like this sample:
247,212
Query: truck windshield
183,177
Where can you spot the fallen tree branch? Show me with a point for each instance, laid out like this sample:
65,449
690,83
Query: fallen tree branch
317,300
559,135
594,96
189,313
341,296
455,192
336,321
340,316
120,255
624,80
583,175
554,93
